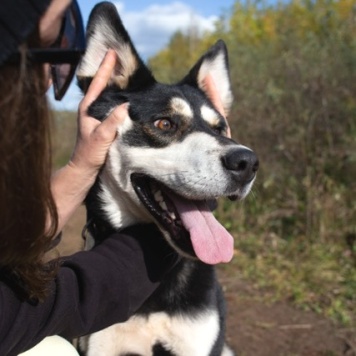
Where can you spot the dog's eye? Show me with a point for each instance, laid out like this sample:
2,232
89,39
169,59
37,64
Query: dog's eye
164,124
218,130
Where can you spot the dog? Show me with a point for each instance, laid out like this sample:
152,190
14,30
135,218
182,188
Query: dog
172,157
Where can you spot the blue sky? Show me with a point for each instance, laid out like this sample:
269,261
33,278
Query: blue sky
150,24
202,7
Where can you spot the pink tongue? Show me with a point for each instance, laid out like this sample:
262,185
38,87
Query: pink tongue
211,242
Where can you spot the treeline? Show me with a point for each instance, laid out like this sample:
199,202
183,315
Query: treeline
293,70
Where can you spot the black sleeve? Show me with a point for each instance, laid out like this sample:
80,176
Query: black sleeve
93,290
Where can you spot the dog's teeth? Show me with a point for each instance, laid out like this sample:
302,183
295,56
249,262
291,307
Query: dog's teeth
158,196
159,199
163,205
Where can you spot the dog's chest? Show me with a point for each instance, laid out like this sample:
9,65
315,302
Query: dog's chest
148,336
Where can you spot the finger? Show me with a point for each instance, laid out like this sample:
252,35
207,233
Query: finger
109,127
101,78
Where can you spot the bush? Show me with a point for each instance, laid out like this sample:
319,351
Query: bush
293,71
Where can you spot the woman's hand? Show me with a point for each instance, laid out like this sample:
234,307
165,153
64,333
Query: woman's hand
95,137
71,184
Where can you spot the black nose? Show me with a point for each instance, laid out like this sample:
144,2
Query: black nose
242,162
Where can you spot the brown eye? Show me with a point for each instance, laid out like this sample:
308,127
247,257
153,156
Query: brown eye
163,124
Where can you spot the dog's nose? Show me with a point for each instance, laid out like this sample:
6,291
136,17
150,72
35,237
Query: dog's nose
242,162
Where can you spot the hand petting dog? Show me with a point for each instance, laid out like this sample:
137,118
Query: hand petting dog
93,142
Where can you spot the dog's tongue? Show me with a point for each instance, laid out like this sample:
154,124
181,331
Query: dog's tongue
211,242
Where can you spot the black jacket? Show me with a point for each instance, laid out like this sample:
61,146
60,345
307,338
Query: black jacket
93,290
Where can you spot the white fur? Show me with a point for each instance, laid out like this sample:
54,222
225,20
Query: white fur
120,202
209,115
185,336
102,39
181,107
97,46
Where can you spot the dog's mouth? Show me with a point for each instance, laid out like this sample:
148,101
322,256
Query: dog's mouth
190,224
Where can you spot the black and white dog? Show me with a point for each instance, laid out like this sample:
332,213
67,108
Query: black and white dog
170,159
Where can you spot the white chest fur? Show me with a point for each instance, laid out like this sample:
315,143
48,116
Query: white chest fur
179,334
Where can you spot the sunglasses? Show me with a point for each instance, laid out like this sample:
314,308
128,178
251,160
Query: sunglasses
64,54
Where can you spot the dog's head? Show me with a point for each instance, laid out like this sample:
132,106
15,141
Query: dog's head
172,155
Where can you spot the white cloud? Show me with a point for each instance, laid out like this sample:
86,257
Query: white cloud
150,29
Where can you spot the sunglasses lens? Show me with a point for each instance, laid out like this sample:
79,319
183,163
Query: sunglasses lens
71,38
62,75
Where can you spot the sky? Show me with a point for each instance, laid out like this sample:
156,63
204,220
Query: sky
150,24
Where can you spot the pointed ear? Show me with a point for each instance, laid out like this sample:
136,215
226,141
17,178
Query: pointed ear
106,31
213,67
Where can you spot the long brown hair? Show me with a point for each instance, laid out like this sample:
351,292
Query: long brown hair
28,216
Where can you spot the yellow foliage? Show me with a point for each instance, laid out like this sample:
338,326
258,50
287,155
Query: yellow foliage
253,24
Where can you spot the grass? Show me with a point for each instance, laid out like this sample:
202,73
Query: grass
314,276
64,135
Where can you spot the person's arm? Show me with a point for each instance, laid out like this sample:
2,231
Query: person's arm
93,290
71,184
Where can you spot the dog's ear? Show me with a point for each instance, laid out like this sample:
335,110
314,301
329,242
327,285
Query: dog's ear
106,31
213,67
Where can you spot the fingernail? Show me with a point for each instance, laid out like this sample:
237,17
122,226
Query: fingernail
109,52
